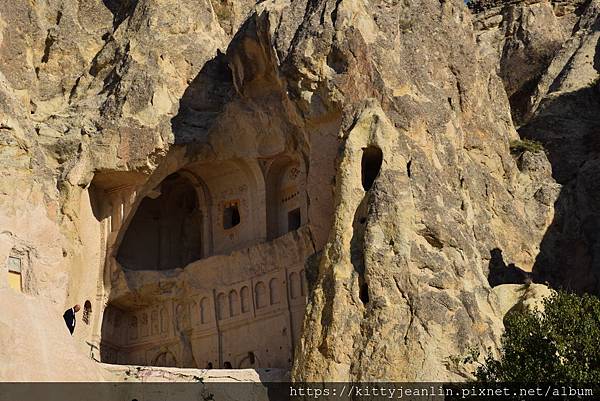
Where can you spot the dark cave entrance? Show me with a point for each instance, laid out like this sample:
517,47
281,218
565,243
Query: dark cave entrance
166,231
372,159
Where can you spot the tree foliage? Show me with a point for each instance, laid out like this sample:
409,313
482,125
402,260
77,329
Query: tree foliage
560,344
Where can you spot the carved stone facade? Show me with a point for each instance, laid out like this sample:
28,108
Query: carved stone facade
237,228
252,323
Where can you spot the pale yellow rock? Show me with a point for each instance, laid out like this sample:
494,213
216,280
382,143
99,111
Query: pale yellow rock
35,344
269,116
524,297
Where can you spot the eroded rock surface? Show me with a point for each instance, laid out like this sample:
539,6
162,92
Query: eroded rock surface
411,200
557,107
522,297
412,253
564,118
36,347
524,37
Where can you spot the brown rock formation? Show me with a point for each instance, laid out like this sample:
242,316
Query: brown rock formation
411,254
366,144
524,37
557,107
564,118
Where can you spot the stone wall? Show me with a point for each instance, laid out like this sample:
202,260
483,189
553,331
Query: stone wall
252,323
240,302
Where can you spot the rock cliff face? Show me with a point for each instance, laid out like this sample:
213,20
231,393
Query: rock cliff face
559,109
86,86
411,253
564,118
524,36
415,204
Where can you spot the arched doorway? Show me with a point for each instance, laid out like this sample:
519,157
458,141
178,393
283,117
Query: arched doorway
166,231
286,198
165,359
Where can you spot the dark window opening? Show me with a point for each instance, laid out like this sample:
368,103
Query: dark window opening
231,216
294,219
227,365
364,293
370,166
87,311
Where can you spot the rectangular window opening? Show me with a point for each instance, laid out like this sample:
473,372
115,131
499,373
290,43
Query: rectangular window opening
231,215
294,219
14,273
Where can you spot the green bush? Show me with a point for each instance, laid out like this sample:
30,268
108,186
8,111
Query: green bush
560,344
526,145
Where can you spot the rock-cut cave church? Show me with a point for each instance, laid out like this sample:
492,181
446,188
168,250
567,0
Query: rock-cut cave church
208,268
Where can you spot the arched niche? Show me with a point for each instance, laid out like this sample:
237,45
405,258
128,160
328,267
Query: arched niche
295,285
245,299
285,196
222,306
261,295
234,303
167,230
237,194
87,312
274,291
165,359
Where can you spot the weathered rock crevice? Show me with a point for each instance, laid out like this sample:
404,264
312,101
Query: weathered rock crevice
525,37
553,107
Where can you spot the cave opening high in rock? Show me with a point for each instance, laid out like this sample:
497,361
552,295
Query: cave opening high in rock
370,166
165,232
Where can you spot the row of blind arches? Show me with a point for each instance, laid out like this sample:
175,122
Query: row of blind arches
234,303
228,305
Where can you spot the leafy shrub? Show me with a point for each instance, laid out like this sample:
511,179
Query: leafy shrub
521,146
557,345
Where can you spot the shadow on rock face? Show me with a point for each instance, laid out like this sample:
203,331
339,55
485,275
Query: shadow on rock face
244,81
568,125
501,273
203,101
121,10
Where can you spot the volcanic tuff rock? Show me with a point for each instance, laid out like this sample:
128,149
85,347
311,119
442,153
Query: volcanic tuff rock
411,255
564,117
402,283
523,37
84,90
558,107
522,297
49,353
